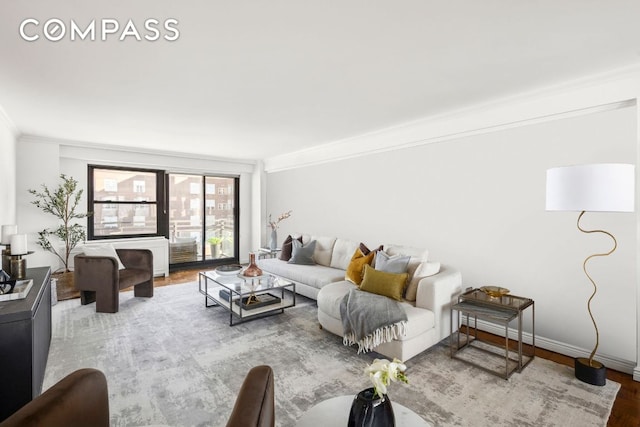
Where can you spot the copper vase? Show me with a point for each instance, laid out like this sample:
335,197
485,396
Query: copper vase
253,270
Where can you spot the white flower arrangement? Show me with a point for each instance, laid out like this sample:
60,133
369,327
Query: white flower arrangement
274,224
381,372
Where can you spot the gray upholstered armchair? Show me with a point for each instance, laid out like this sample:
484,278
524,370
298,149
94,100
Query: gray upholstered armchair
99,279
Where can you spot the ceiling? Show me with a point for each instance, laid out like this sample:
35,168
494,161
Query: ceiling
255,79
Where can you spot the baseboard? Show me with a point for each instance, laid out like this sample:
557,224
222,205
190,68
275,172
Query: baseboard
616,364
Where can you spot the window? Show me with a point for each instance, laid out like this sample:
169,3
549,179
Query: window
125,202
197,213
202,221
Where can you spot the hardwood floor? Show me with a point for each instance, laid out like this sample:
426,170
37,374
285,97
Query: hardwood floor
626,409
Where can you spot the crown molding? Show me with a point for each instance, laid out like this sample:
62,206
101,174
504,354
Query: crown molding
119,148
611,90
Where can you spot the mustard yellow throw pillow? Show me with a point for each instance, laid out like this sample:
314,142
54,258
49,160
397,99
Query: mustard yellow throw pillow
382,283
358,261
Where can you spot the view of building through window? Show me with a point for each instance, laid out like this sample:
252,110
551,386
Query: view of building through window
200,221
124,203
201,217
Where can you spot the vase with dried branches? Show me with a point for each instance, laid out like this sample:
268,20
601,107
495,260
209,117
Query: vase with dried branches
273,241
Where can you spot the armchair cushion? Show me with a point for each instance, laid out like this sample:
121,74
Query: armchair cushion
103,250
132,276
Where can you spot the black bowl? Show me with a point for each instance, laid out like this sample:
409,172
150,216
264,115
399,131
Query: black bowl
7,286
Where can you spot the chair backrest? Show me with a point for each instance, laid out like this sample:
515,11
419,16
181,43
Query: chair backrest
255,404
80,399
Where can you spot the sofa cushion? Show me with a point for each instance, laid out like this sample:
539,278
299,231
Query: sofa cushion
324,248
302,254
356,266
331,296
342,253
425,269
392,264
382,283
419,320
287,248
313,275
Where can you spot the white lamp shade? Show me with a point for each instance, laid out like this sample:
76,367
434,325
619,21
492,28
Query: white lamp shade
604,187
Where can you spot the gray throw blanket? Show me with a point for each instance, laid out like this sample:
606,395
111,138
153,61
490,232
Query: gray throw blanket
370,320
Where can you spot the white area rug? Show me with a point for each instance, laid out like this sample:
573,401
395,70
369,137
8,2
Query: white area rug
171,361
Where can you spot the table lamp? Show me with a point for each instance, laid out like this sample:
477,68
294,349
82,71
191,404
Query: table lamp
18,251
8,230
607,187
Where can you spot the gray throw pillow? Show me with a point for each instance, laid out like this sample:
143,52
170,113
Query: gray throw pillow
303,254
287,248
396,264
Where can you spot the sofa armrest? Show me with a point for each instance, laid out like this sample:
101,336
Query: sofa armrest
94,272
436,293
136,258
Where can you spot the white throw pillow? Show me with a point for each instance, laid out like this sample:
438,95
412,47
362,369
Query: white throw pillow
103,250
425,269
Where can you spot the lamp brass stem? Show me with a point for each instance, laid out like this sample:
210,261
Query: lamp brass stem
595,287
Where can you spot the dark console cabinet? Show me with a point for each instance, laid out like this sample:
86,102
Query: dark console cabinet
25,336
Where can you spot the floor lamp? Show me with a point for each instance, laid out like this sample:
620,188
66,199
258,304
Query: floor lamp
608,187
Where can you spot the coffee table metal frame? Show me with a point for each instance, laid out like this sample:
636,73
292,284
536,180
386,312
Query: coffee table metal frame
238,288
475,304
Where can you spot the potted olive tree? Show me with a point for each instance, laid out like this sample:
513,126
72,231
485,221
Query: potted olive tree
61,202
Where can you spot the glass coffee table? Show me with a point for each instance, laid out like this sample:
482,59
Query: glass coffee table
246,298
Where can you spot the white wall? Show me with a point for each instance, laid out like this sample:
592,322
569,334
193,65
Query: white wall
7,171
477,203
42,160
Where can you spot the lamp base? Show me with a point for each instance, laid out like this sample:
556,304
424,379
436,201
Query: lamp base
18,267
6,259
594,375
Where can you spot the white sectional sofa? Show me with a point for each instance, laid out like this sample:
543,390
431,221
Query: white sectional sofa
428,315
